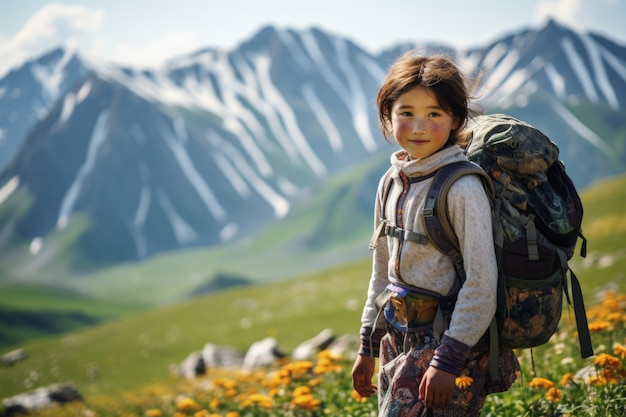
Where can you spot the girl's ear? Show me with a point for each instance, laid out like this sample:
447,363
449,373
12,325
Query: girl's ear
456,124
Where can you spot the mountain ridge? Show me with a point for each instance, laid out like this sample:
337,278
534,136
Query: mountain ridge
218,144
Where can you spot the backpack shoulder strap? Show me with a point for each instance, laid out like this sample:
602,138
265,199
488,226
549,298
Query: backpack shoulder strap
380,230
438,225
442,235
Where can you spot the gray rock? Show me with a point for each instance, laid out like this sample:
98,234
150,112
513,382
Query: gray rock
309,348
10,358
346,346
262,353
192,366
40,398
221,357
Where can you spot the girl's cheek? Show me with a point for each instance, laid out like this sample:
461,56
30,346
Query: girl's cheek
439,128
402,129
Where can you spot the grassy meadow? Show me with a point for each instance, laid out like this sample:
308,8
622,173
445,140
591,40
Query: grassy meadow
127,361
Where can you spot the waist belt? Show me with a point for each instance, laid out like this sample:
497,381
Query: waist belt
411,309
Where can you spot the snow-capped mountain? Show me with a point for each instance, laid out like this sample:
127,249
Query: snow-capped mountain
124,164
570,85
28,93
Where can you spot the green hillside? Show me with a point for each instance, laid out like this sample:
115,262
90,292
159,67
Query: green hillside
328,227
122,354
604,226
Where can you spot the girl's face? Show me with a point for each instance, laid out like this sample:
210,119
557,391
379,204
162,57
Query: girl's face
420,126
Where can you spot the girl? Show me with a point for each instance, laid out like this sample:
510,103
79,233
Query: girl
423,104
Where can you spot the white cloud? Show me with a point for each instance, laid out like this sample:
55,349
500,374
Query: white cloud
53,25
154,53
565,11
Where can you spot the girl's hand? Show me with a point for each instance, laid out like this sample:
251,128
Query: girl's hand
437,387
362,373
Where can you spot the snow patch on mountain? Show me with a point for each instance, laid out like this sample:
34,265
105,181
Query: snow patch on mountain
8,188
176,142
322,116
580,69
360,116
139,220
618,66
185,234
556,80
578,126
98,137
602,80
293,131
50,77
231,174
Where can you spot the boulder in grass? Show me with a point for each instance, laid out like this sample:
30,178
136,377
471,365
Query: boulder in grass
346,346
192,366
40,399
314,345
10,358
221,357
262,353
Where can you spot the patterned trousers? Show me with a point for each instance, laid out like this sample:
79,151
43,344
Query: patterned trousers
404,358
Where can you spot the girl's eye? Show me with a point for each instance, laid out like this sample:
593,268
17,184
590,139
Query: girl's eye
433,114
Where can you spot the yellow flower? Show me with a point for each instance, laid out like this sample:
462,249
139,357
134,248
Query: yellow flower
214,403
232,414
258,399
316,381
615,317
620,350
299,368
153,412
302,397
327,354
229,384
187,405
306,401
607,361
202,413
273,392
538,382
566,379
597,380
356,396
598,326
280,377
325,365
463,381
610,376
303,390
554,395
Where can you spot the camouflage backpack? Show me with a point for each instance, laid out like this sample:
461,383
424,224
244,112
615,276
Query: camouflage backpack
537,216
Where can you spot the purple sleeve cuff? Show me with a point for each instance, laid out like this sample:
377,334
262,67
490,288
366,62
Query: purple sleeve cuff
451,355
370,341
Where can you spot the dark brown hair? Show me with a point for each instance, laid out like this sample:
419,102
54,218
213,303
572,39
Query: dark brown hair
439,74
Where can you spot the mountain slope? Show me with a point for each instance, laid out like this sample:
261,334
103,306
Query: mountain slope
570,85
216,145
179,158
28,93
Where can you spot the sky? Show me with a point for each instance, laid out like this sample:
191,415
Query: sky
145,33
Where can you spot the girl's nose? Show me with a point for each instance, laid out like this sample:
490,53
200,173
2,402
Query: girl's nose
418,125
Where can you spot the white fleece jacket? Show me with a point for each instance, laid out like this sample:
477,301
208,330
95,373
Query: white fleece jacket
422,265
